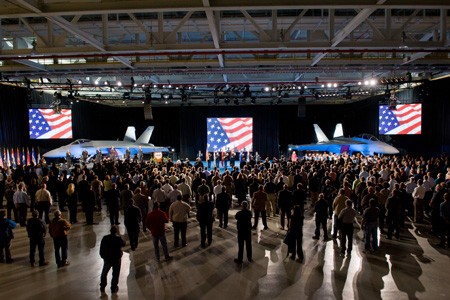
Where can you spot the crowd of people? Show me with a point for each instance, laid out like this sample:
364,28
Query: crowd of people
381,193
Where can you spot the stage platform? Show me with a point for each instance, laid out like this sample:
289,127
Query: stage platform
411,268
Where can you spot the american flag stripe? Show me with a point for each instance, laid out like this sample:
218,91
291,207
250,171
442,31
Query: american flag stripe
239,131
409,117
46,124
61,132
229,134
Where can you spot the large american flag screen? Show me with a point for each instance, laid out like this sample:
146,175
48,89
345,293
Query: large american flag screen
47,124
404,119
225,134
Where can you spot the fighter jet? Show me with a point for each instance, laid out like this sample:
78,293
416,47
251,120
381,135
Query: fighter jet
129,141
365,143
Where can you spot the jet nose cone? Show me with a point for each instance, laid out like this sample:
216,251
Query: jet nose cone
391,150
52,153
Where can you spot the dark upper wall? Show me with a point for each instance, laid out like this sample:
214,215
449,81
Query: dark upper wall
274,126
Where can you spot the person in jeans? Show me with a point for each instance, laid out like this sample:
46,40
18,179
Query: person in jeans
37,229
370,224
345,219
58,230
178,214
156,223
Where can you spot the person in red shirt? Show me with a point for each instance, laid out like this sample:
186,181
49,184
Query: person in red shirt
156,223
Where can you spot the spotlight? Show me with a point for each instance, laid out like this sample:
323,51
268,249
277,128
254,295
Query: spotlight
253,101
266,89
236,101
227,100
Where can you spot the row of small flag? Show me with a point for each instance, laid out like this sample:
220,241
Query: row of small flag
10,157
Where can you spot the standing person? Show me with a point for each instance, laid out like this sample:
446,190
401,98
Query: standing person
418,195
113,202
111,252
58,230
61,186
133,219
339,203
22,202
329,192
284,205
435,205
445,219
178,215
125,196
259,202
270,188
89,206
72,203
156,223
6,235
393,213
223,202
370,224
244,228
205,219
9,195
141,201
296,232
346,218
321,210
37,231
43,202
97,186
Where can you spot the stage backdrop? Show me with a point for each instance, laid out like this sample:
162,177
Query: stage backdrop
274,127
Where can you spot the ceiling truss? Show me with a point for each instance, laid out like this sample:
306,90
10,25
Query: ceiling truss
209,43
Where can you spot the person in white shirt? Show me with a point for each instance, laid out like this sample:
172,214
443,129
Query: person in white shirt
43,202
167,188
218,188
418,196
384,173
178,215
173,195
22,202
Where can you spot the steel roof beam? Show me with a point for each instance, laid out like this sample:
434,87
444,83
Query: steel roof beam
352,25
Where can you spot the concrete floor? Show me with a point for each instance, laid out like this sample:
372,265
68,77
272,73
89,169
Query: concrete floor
411,268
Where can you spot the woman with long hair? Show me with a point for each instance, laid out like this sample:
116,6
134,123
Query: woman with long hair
72,203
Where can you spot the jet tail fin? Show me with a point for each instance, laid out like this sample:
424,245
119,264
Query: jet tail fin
145,136
130,134
321,137
339,131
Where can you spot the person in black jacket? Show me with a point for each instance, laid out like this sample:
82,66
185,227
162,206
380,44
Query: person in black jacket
296,232
223,205
133,219
285,205
205,218
111,252
244,228
37,229
113,201
321,210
